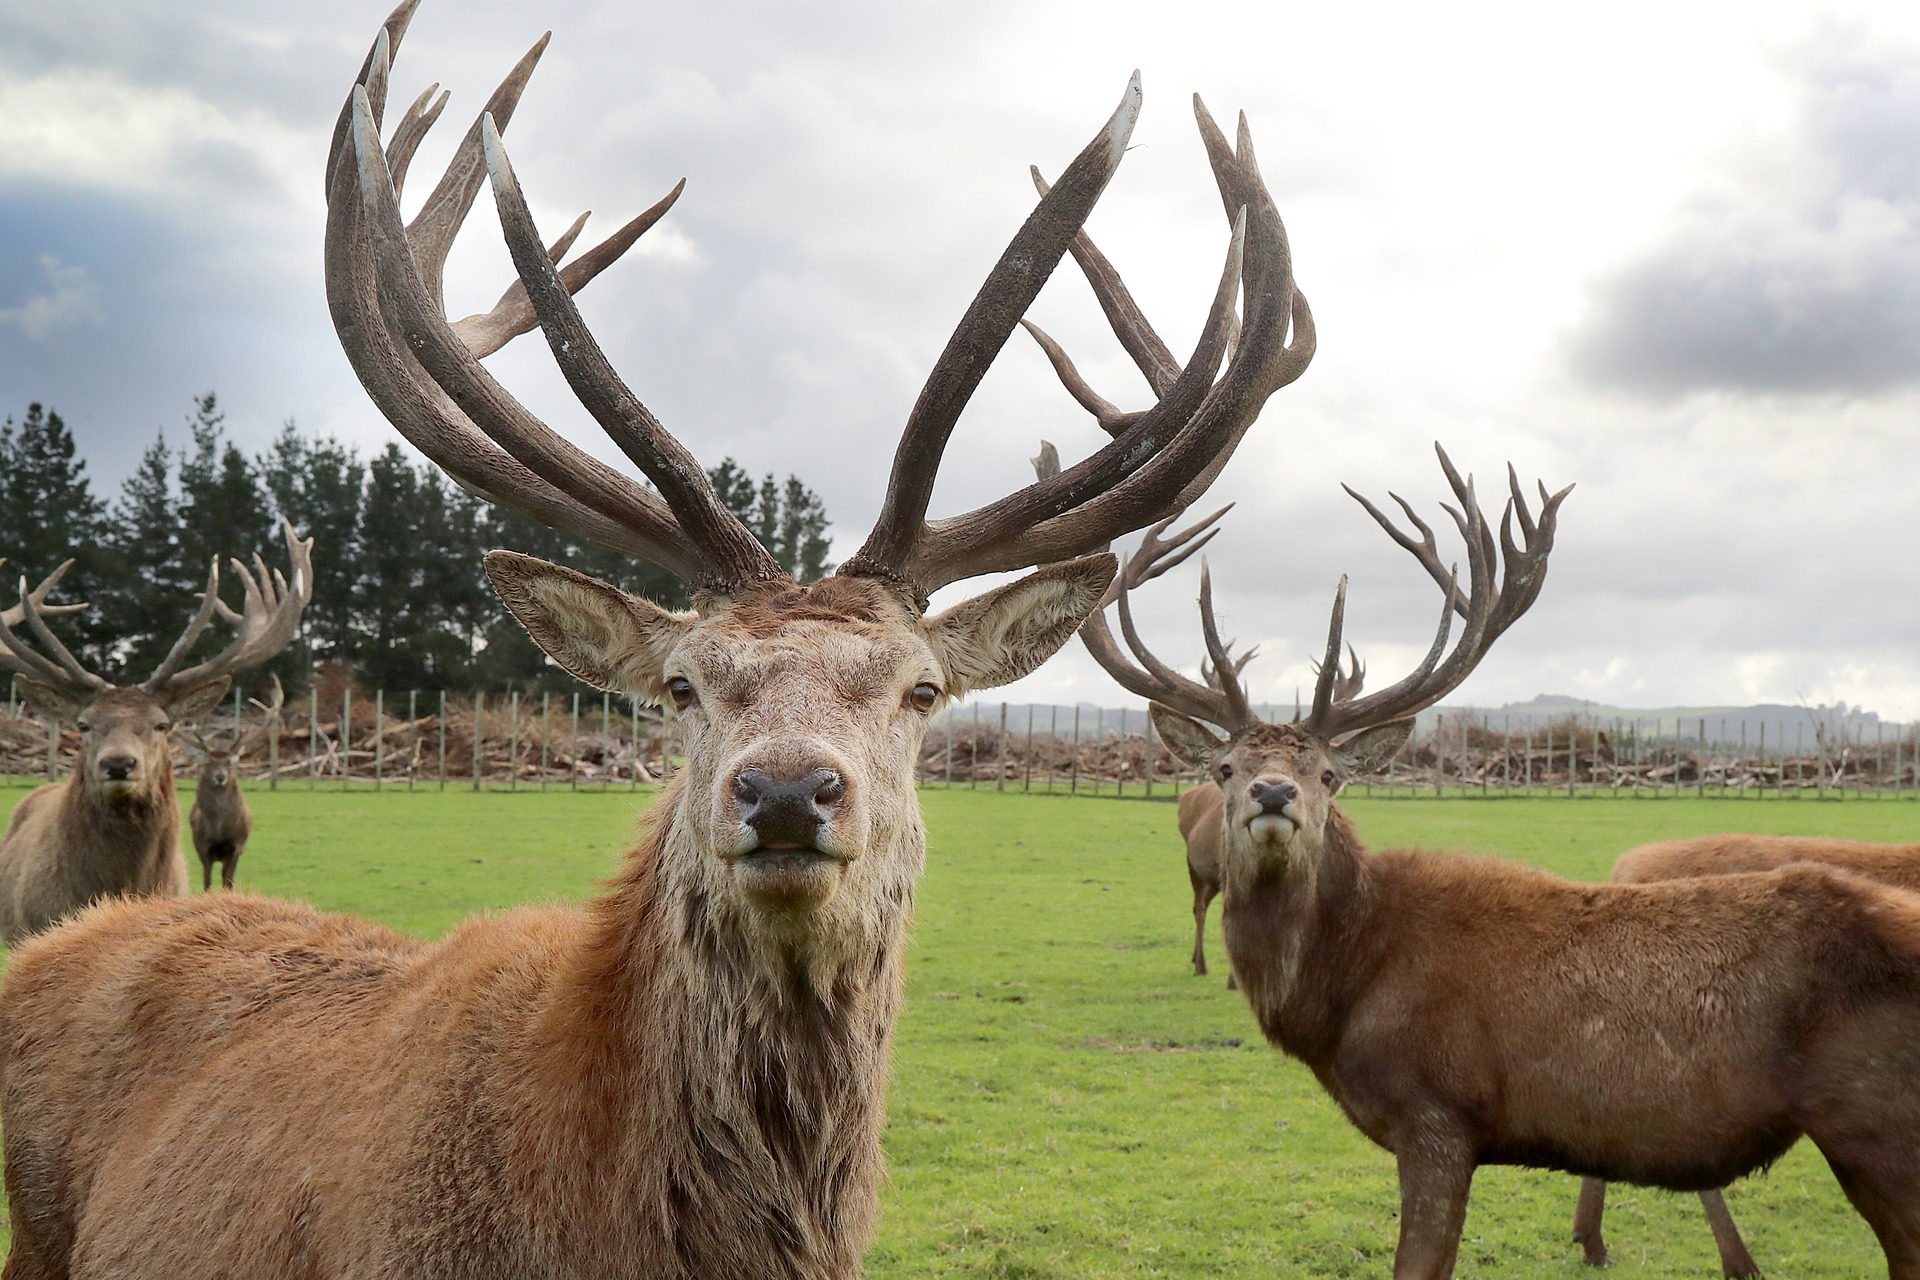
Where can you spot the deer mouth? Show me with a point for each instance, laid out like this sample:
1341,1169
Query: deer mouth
1271,828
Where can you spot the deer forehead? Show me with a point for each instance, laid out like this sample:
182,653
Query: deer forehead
123,708
1280,748
805,661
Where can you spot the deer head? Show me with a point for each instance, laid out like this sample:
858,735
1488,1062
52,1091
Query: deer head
805,705
1279,781
124,753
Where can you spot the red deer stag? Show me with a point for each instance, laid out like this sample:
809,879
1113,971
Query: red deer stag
684,1077
113,827
1894,864
220,820
1468,1011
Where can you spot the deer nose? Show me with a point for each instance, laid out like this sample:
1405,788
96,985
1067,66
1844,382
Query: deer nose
786,811
1273,797
118,768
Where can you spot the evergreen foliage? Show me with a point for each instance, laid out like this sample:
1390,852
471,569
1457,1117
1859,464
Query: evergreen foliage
400,598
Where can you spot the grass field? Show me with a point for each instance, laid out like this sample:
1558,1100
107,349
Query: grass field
1068,1099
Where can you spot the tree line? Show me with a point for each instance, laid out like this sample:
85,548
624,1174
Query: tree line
400,599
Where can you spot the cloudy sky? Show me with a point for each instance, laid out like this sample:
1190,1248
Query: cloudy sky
1669,253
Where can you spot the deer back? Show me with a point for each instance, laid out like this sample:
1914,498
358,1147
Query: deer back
1894,864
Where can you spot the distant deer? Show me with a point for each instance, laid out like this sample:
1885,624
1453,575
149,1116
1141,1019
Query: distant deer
113,827
685,1077
1893,864
220,819
1467,1011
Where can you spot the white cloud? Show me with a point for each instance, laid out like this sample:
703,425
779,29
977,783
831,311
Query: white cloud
71,298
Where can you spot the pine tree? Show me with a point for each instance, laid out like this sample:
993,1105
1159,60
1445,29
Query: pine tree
317,486
48,514
148,601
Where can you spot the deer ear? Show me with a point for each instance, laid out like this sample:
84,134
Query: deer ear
199,700
46,701
1369,750
1188,739
996,638
596,631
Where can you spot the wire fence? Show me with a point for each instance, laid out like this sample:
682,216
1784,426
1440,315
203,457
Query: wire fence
338,737
1080,751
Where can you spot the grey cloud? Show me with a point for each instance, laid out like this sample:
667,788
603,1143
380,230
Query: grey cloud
1800,273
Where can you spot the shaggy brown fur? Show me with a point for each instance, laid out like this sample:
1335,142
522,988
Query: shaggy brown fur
1465,1011
682,1081
1894,864
220,820
96,834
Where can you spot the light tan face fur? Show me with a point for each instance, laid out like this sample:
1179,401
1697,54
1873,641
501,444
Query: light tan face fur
1277,782
124,749
840,677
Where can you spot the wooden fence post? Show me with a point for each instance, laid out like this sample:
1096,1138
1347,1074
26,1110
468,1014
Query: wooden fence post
1000,758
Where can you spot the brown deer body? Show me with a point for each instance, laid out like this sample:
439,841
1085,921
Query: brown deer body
220,820
684,1078
1465,1011
113,826
1719,855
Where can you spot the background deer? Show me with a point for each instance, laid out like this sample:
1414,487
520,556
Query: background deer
113,826
1466,1011
220,820
1893,864
685,1077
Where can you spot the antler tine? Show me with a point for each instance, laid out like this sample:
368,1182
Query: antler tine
270,617
209,603
17,614
1153,679
1129,323
738,556
66,673
412,128
1327,671
1489,609
1241,715
1156,555
1111,418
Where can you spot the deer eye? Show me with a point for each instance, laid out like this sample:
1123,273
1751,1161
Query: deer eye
1226,771
163,726
922,697
84,726
681,689
1326,779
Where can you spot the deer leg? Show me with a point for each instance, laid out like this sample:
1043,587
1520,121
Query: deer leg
1586,1222
226,870
1735,1262
1887,1194
206,875
1435,1177
1202,898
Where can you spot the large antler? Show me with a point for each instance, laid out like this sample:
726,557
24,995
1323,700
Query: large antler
384,289
270,615
1160,459
63,671
1486,610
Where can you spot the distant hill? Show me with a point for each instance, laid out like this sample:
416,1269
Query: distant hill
1723,723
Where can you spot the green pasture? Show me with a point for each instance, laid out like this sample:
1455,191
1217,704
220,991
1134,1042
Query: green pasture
1069,1101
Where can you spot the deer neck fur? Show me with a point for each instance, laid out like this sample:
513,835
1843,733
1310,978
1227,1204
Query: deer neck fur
1301,935
758,1073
